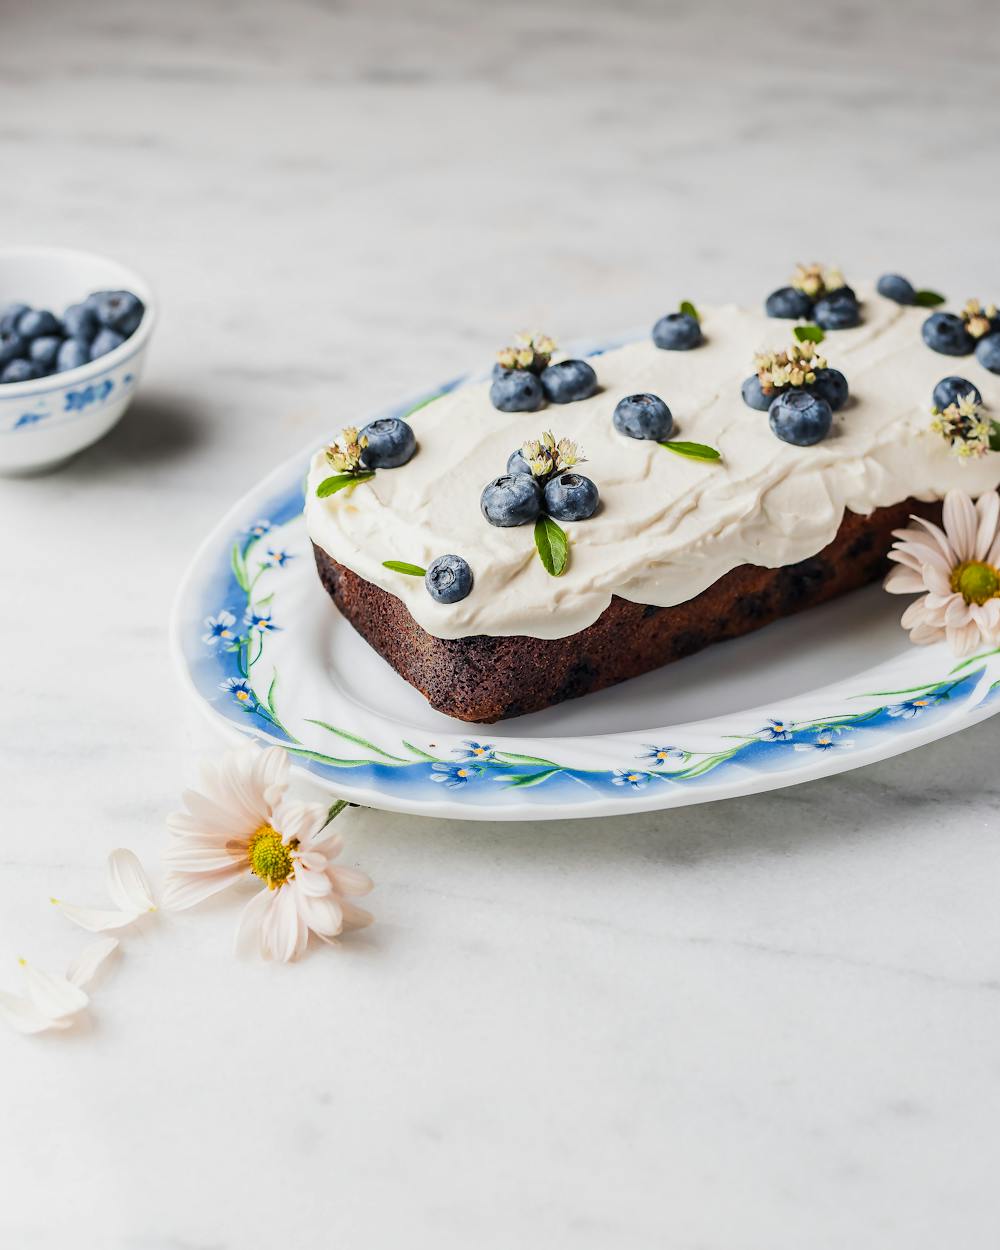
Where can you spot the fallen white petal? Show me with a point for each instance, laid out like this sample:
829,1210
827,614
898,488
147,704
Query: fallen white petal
85,967
95,919
127,883
54,996
24,1016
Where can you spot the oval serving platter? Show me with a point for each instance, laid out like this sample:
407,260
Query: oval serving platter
265,654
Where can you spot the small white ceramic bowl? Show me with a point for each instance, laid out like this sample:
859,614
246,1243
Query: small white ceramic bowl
45,421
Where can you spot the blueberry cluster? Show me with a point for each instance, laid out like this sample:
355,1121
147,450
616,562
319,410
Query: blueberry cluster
34,342
816,294
524,377
975,329
540,478
798,391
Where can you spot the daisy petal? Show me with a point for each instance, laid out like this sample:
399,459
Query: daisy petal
25,1017
181,891
248,931
987,515
95,919
959,517
127,883
54,996
350,880
356,917
904,581
85,967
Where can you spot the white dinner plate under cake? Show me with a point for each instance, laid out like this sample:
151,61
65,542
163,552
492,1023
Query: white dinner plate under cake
265,653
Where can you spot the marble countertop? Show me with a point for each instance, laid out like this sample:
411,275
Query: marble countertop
766,1023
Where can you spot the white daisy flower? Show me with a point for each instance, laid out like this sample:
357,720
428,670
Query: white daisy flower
242,826
956,572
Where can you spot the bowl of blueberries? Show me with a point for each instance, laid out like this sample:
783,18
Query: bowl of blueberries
74,328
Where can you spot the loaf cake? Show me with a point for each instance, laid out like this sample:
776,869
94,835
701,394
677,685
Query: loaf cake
738,529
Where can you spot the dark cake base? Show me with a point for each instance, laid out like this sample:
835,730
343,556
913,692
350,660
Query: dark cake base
485,679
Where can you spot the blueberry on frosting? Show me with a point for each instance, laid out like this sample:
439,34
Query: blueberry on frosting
516,390
946,333
571,497
988,352
800,418
568,381
514,499
831,385
898,289
448,579
388,443
839,310
677,332
952,388
754,395
789,304
643,416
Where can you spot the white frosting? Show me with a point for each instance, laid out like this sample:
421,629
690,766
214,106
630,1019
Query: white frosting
667,527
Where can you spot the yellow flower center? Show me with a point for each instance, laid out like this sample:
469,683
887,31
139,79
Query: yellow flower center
270,858
975,582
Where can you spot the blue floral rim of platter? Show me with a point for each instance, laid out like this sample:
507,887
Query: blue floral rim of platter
265,653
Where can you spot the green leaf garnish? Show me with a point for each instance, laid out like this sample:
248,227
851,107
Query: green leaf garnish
995,436
552,544
693,451
330,485
809,334
400,566
928,299
422,404
689,308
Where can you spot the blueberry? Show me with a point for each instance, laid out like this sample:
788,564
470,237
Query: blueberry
952,388
753,394
839,310
789,303
677,332
391,442
831,385
516,463
11,346
11,315
448,579
643,416
988,352
36,322
43,351
568,381
20,371
893,287
516,390
72,354
571,497
800,418
945,333
511,500
80,322
117,310
106,341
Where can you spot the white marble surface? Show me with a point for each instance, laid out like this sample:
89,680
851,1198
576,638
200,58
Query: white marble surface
763,1025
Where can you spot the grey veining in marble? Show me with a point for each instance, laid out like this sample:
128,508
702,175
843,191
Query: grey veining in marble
765,1024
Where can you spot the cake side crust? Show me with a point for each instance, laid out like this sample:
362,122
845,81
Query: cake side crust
482,679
